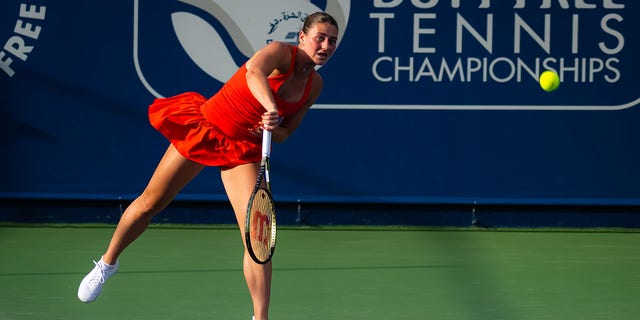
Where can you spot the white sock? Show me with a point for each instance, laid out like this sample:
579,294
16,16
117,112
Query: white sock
109,266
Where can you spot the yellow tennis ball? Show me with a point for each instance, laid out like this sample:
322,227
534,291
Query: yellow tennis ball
549,81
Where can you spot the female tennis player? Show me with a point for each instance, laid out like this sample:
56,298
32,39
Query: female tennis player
272,91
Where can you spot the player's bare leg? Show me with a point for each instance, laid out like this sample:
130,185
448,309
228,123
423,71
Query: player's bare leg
172,173
239,182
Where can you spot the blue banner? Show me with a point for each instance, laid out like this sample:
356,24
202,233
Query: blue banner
425,101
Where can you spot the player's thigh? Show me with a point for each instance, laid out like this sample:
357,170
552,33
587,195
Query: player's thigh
238,183
173,172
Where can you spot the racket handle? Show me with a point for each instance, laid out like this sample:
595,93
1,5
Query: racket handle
266,142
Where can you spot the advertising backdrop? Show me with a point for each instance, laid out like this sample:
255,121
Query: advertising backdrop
425,101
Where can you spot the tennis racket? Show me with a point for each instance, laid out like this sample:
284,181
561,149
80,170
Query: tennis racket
260,223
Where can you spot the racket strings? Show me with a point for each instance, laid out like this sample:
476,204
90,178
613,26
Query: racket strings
260,230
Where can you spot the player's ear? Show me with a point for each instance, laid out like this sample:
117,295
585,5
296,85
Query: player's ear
301,37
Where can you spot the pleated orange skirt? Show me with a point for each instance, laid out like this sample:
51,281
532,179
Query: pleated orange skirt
180,120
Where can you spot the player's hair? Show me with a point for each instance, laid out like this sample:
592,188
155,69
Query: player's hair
318,17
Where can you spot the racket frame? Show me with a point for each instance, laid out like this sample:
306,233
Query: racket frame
263,182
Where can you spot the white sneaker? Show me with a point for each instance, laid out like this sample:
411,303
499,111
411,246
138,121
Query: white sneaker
91,285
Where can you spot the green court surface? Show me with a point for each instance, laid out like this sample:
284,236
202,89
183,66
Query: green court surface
194,273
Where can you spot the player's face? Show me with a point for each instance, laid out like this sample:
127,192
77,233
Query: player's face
319,42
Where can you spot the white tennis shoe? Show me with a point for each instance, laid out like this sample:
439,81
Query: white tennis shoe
91,285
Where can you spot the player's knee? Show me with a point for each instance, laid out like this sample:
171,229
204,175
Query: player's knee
148,205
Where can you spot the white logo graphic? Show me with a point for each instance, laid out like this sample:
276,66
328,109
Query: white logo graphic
250,25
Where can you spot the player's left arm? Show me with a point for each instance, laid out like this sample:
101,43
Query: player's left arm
291,123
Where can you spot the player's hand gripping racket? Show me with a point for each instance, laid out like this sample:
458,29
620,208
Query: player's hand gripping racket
260,223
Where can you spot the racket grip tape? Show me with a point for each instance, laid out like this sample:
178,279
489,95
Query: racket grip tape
266,142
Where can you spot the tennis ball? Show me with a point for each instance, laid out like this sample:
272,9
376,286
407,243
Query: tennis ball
549,81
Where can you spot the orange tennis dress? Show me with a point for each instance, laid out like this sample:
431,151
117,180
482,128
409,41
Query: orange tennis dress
223,130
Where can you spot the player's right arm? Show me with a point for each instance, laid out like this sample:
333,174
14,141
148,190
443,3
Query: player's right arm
291,123
271,60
